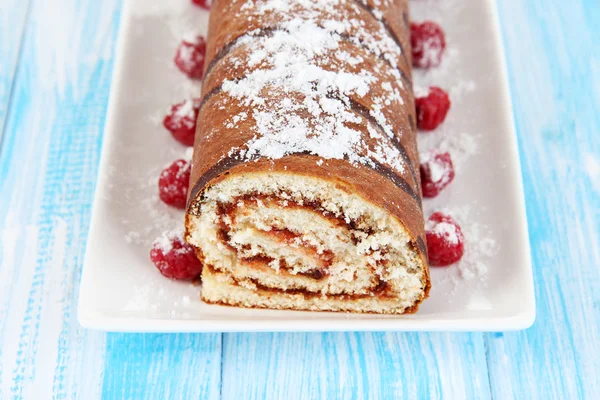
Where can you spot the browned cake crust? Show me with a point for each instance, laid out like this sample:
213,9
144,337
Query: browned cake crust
382,170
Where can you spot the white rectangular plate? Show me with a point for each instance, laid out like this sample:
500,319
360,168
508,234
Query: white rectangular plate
491,289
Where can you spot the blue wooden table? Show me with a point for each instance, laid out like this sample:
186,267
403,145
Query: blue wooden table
56,60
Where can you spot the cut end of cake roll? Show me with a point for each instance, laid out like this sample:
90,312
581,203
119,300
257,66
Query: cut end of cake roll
285,240
305,192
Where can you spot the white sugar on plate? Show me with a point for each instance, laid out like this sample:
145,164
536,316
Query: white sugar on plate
420,91
480,247
164,242
160,218
291,65
186,109
185,55
461,146
183,19
432,51
446,230
188,154
438,170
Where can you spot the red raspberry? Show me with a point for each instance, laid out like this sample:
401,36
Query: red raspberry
190,57
174,258
445,240
437,172
174,182
432,109
181,121
203,3
428,44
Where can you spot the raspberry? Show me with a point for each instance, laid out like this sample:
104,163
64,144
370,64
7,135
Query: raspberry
174,258
428,44
203,3
445,240
181,121
190,57
174,182
432,109
437,172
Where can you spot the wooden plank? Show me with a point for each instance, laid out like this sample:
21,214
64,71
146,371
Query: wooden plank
554,66
12,25
152,366
13,14
48,164
48,169
354,366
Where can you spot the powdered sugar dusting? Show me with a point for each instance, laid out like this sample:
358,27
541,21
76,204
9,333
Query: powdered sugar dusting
186,109
180,17
337,21
186,55
180,20
160,218
188,154
302,43
446,230
455,80
456,138
461,146
184,114
439,171
480,248
292,81
432,51
153,297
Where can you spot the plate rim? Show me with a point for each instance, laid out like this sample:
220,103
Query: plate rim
523,318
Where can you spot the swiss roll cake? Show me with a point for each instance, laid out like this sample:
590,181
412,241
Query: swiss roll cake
305,191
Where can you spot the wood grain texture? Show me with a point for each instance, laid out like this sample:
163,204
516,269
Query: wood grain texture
162,366
12,24
554,67
48,164
48,170
354,366
13,15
